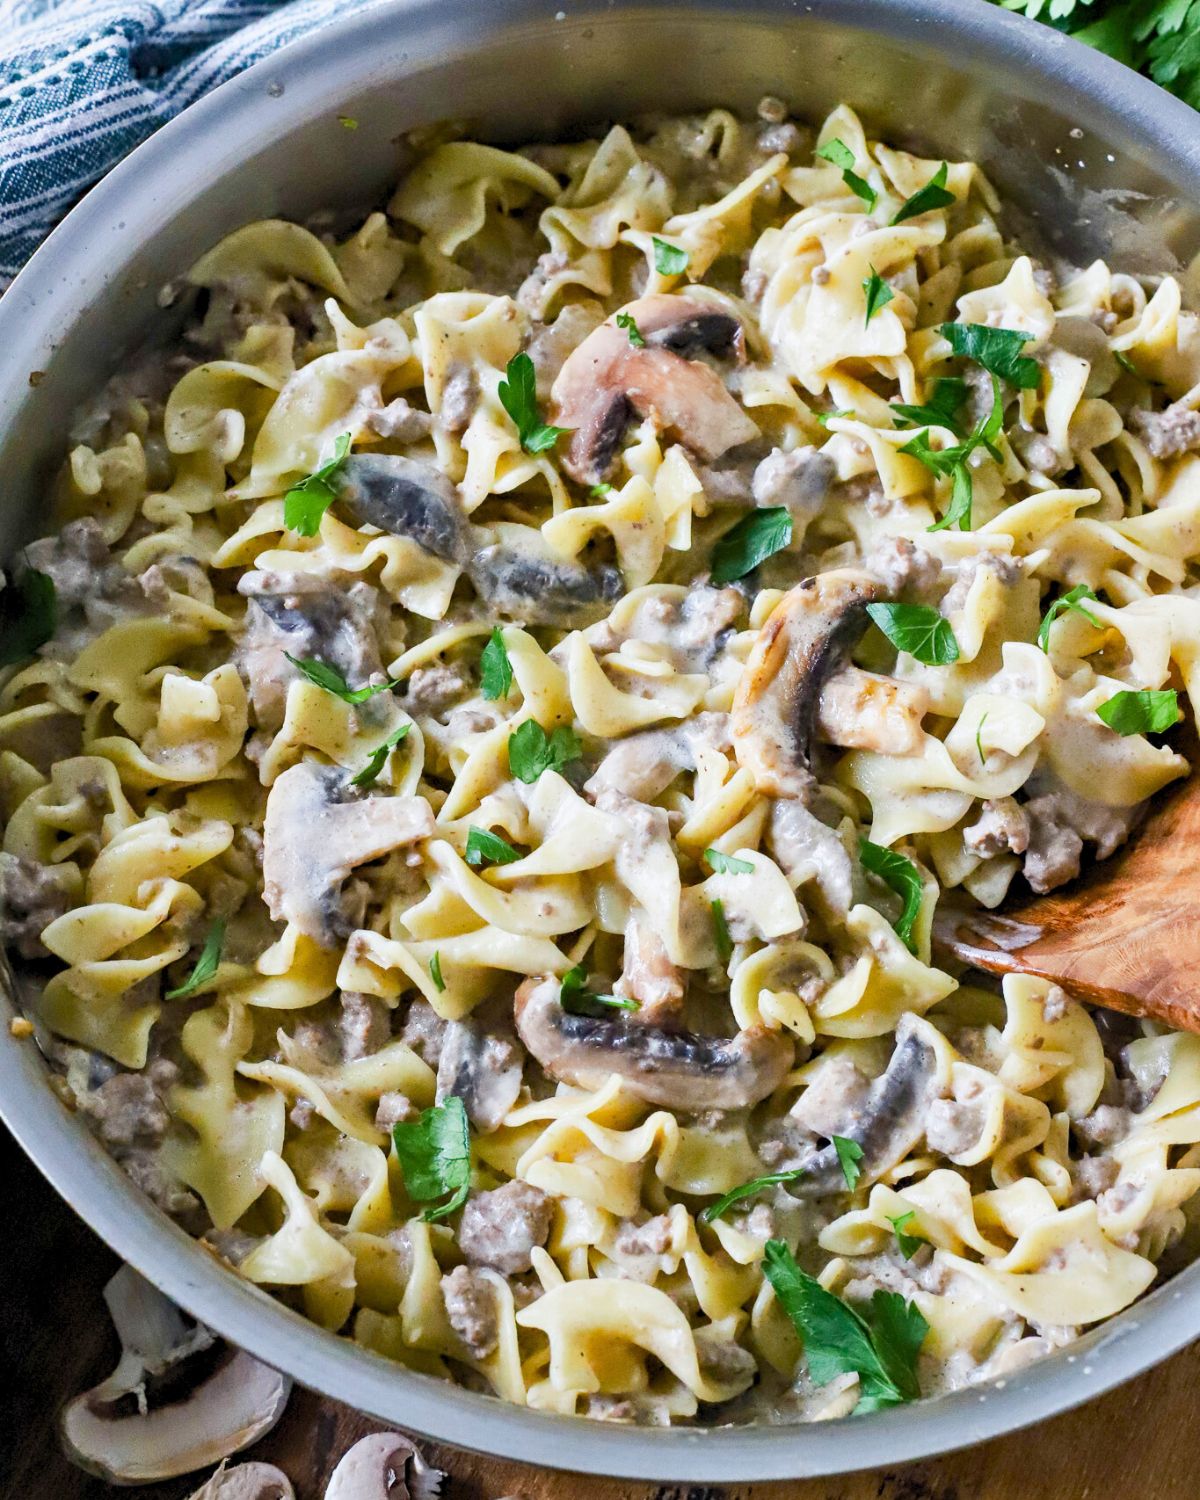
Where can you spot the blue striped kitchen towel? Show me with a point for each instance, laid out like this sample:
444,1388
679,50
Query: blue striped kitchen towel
82,82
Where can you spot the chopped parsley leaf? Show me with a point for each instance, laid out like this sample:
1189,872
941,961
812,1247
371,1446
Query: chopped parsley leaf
757,536
496,673
435,1156
206,965
518,396
531,750
305,504
626,321
378,759
903,877
1147,711
484,845
934,194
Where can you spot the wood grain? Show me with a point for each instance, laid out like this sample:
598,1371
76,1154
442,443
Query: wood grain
1134,1444
1125,935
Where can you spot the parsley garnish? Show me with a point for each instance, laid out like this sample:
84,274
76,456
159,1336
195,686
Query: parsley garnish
1127,364
879,1345
329,678
756,537
1148,711
483,845
919,630
878,294
722,1206
909,1243
954,460
825,417
578,1000
903,877
347,122
721,931
626,321
598,491
669,260
305,503
28,615
435,972
849,1154
496,673
435,1156
997,350
934,194
370,772
1157,37
1070,600
726,864
837,152
531,750
518,396
206,964
941,410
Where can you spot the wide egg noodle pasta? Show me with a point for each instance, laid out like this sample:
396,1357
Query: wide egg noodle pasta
386,879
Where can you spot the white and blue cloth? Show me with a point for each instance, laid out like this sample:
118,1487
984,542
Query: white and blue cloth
82,82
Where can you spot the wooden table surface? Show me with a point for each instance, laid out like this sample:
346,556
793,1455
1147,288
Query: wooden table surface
1137,1443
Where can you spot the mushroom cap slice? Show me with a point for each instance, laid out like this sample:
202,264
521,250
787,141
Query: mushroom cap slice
530,584
890,1121
178,1400
407,499
778,694
253,1481
384,1466
607,379
316,831
677,1069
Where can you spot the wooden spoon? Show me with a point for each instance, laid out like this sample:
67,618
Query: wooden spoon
1125,935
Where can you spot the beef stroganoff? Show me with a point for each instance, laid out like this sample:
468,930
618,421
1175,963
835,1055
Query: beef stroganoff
509,688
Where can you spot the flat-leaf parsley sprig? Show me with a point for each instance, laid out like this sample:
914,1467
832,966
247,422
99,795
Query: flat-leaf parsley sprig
879,1344
1160,38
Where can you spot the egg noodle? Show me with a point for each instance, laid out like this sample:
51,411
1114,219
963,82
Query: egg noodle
510,687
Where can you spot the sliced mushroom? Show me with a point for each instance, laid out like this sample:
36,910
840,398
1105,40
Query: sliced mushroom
531,584
677,1069
308,617
778,695
252,1481
516,575
649,977
608,379
406,498
179,1398
317,830
864,711
384,1466
481,1063
887,1123
644,765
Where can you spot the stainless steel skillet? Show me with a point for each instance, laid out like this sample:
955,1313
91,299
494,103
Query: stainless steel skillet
1099,161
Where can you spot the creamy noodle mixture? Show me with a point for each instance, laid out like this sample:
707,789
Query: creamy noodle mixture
482,752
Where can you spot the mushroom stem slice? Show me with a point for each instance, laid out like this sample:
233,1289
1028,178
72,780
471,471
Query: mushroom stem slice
676,1069
176,1401
384,1466
778,695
